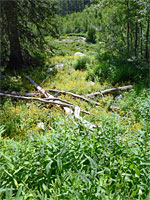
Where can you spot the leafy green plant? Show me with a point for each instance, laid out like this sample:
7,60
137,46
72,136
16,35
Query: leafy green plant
81,63
91,35
114,69
66,160
1,130
71,162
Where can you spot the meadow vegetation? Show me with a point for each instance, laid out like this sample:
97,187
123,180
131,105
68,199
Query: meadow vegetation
46,154
66,160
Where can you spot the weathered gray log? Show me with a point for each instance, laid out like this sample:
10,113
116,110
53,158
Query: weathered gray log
110,91
58,99
33,95
75,95
29,94
47,95
40,89
83,121
50,101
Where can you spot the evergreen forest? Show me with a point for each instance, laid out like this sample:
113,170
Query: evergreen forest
74,100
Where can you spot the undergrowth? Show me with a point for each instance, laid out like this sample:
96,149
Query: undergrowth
48,155
72,163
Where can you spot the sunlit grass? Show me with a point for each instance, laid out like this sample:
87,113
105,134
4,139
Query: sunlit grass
64,159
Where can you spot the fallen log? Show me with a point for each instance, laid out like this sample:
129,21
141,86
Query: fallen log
69,108
33,95
75,95
110,91
29,94
58,99
83,121
50,101
40,89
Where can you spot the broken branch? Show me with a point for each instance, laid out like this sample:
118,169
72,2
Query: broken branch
40,89
75,95
43,100
110,91
29,94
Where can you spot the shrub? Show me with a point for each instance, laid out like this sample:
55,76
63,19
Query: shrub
143,106
81,63
91,35
115,69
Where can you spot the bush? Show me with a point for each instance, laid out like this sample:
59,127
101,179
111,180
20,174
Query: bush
143,106
91,35
81,63
115,69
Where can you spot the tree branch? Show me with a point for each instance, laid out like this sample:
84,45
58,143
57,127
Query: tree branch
75,95
110,91
50,101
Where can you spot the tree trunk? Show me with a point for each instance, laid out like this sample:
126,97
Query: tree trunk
147,53
136,39
10,9
141,48
128,29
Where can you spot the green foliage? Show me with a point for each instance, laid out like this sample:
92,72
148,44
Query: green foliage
123,28
115,69
143,106
91,35
81,63
64,159
79,22
71,162
28,22
21,120
66,7
1,130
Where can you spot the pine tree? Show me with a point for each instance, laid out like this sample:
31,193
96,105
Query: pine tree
24,24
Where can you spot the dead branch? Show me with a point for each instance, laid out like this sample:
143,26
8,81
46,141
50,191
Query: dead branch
68,106
50,101
75,95
47,95
33,95
40,89
29,94
83,121
110,91
58,99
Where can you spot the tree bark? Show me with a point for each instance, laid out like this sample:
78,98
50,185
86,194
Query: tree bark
136,39
128,28
10,10
70,105
40,89
147,53
141,48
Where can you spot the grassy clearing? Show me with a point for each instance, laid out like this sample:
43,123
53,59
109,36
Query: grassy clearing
65,160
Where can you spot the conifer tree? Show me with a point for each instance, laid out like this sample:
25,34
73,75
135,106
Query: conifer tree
24,24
